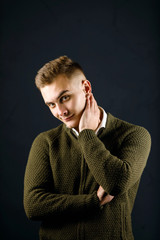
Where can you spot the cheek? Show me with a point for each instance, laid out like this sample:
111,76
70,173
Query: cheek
53,111
80,103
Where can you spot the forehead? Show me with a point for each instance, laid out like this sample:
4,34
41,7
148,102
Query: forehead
61,83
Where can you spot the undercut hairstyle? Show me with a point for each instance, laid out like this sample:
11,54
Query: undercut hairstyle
61,65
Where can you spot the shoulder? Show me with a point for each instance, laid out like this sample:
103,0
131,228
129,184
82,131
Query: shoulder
128,131
45,138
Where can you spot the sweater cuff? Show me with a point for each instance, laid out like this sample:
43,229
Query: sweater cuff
96,202
87,134
93,204
86,202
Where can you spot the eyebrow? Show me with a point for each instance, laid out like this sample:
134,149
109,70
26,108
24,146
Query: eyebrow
61,93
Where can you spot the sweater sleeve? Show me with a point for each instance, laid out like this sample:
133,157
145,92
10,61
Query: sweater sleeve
40,199
116,174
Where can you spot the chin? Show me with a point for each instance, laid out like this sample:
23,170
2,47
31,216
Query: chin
72,124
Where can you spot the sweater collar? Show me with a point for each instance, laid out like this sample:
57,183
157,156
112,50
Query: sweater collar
110,123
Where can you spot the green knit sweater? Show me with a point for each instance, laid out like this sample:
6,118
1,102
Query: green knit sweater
64,172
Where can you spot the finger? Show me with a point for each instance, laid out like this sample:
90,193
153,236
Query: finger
94,103
91,100
88,101
100,193
107,199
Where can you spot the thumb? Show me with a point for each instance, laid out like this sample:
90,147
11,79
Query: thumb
100,193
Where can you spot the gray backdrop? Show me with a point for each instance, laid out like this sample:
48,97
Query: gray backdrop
117,44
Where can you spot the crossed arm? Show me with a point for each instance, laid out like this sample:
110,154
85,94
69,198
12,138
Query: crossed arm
114,174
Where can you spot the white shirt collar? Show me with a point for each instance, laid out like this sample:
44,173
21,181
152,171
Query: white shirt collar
102,124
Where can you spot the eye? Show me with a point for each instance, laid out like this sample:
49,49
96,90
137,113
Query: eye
64,98
51,105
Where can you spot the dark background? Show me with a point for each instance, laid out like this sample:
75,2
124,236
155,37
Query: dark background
117,44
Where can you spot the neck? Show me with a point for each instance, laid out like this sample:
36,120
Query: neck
100,117
100,114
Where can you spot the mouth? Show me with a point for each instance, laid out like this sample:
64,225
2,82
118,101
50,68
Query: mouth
68,118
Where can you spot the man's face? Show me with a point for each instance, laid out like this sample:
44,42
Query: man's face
66,98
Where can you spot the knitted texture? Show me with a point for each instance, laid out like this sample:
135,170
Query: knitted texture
63,174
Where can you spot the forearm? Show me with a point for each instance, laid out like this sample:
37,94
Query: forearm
39,204
115,174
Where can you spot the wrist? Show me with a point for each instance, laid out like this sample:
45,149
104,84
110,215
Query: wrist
84,128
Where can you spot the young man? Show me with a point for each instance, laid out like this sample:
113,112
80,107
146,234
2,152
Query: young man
82,177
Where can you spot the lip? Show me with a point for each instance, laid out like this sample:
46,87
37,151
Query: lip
69,118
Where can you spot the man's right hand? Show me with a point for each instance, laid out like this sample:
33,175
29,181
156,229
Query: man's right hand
103,198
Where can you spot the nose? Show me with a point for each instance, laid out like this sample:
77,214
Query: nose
61,110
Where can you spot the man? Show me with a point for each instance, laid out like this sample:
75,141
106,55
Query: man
82,177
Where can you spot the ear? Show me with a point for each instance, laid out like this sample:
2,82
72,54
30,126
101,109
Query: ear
86,85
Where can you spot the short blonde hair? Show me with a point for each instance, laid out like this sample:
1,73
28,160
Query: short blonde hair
61,65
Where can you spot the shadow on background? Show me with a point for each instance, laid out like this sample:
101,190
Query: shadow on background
117,44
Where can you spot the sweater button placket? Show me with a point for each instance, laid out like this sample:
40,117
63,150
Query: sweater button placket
80,227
